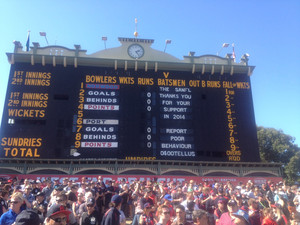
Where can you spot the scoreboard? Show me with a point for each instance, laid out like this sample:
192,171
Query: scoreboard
88,112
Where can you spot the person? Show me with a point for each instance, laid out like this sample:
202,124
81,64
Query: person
268,217
91,217
40,205
220,210
27,217
227,218
62,199
163,215
147,218
76,205
180,216
200,217
16,203
240,218
254,214
3,202
189,198
48,190
112,216
57,214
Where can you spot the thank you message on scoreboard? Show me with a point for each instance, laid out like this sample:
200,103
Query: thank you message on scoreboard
93,113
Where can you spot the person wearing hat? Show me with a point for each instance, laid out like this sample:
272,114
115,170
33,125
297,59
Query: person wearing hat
91,217
227,218
167,200
72,194
57,191
40,205
240,218
27,217
147,218
112,216
57,214
62,199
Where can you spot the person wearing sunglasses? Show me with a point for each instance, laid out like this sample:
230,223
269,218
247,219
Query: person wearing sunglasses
164,215
16,203
57,214
91,217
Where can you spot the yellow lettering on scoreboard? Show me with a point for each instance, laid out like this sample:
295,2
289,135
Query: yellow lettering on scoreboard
145,81
21,147
170,82
134,158
30,113
100,79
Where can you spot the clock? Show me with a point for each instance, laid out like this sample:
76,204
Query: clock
135,51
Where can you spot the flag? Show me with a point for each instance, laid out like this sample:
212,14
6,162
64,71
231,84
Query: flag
104,38
27,42
168,41
233,52
43,34
225,45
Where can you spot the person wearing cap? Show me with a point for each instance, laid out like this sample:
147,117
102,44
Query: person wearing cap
72,195
57,190
147,218
28,217
240,218
16,203
91,217
112,216
40,205
167,200
57,214
35,189
228,218
146,198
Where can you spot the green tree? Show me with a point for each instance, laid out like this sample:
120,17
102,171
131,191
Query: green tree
275,146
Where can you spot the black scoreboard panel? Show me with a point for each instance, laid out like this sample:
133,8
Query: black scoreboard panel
91,112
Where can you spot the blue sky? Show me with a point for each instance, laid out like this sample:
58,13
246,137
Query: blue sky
268,30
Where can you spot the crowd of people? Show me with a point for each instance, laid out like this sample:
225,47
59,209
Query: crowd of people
89,202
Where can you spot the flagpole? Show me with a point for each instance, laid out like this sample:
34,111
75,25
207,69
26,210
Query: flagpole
28,41
46,40
233,52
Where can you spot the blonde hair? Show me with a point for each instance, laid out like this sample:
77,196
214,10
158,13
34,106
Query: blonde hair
18,195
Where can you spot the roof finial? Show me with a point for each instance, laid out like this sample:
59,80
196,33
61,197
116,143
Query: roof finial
135,32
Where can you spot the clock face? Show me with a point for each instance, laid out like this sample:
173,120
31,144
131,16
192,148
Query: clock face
135,51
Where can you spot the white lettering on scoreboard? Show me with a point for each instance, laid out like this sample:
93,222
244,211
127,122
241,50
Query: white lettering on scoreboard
99,144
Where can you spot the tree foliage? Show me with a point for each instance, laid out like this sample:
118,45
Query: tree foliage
275,146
